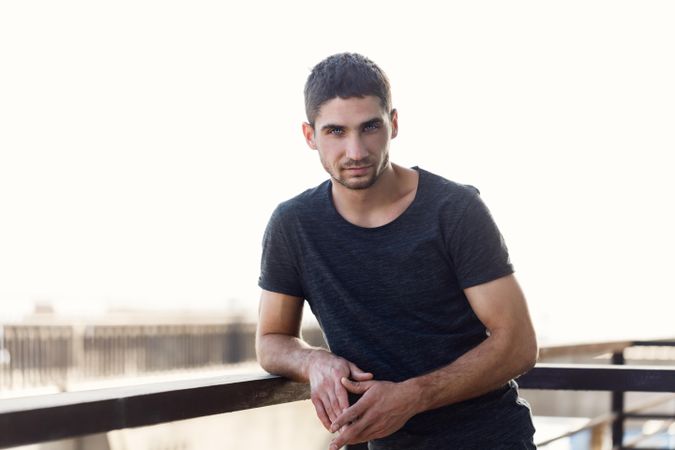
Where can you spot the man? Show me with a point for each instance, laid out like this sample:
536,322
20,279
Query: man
409,279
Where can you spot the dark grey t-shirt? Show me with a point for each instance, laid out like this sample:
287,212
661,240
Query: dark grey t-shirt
391,300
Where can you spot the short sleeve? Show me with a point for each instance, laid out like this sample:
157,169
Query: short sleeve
477,248
279,263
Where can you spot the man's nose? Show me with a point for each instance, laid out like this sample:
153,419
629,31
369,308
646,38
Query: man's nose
356,149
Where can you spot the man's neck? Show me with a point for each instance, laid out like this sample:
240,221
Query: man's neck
381,203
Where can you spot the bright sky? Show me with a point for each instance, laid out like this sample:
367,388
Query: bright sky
143,144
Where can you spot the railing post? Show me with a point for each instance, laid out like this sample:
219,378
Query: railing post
618,407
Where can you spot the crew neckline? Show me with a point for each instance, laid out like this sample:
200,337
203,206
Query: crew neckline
397,219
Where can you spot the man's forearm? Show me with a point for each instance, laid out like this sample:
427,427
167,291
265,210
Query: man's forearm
285,355
293,358
482,369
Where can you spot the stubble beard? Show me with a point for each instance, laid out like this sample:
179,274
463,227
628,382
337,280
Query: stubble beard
361,183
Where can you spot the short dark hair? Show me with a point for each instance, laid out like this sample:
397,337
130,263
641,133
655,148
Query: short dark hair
345,75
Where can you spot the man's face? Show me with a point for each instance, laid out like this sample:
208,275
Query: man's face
352,137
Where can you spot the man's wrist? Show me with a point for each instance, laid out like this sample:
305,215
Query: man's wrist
419,394
312,358
416,394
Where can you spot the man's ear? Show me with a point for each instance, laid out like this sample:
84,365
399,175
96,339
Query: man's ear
308,132
394,123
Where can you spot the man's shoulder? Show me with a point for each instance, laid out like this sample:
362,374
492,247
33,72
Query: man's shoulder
307,202
445,189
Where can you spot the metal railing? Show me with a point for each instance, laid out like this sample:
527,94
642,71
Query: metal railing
71,414
616,378
55,355
65,415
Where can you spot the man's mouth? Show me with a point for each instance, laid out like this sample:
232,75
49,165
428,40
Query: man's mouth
357,170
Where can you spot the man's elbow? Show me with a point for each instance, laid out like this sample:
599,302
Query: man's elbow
528,354
261,353
270,353
519,348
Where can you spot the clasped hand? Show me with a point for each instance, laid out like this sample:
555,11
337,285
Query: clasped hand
383,408
329,396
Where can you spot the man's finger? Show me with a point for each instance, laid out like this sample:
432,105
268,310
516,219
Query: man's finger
342,398
321,413
329,402
351,434
349,416
356,387
342,439
358,374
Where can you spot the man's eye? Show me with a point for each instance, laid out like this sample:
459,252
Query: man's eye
371,127
336,131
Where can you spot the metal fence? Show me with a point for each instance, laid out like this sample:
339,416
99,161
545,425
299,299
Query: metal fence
44,355
54,355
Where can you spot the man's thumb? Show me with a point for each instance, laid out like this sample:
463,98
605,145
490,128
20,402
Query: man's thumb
355,387
358,374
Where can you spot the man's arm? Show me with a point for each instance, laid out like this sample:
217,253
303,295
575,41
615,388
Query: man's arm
509,351
281,351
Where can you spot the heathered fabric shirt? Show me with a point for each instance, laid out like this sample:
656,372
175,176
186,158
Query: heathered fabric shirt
390,298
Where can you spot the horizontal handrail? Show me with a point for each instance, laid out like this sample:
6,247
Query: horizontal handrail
656,343
592,348
71,414
592,377
596,348
31,420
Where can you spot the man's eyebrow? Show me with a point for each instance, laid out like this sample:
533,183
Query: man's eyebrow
372,121
331,126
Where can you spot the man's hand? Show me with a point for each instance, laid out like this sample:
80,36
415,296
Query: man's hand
383,409
281,351
329,396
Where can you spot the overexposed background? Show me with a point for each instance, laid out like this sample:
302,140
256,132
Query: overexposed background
144,144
